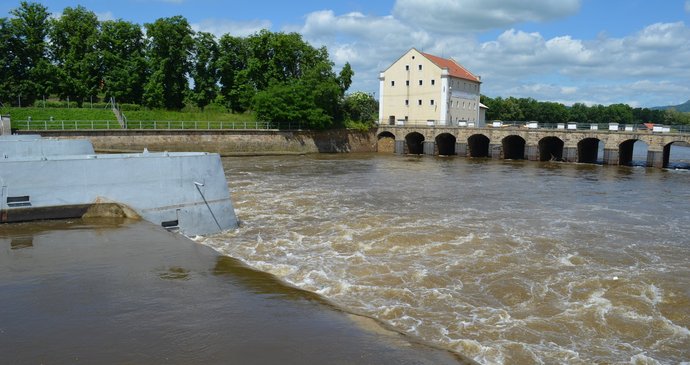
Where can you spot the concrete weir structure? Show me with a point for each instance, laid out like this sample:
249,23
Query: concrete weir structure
42,178
570,145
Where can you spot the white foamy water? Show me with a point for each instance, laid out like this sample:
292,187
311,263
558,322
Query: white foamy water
506,262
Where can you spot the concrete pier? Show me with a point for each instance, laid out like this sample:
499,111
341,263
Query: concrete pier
611,156
399,147
461,149
495,151
429,148
570,154
656,159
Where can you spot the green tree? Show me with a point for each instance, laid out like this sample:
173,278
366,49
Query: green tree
361,107
619,113
345,77
578,113
26,71
204,71
511,110
121,46
74,38
597,114
280,57
313,100
170,45
529,108
551,112
674,117
236,89
6,59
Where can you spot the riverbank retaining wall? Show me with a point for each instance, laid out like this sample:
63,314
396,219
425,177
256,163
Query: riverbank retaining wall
226,142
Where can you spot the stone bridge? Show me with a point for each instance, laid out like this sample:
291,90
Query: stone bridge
532,144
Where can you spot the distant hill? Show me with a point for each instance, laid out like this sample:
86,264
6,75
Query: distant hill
685,107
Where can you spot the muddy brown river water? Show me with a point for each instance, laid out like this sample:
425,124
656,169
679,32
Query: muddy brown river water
508,262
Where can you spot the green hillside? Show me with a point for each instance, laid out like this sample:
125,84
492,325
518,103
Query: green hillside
685,107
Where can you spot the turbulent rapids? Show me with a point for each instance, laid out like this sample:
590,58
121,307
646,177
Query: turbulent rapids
506,262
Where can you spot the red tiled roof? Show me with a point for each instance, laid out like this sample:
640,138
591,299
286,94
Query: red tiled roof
454,69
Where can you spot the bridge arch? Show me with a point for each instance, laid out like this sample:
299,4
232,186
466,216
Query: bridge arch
667,158
551,149
414,143
478,145
385,142
445,143
588,150
513,147
626,150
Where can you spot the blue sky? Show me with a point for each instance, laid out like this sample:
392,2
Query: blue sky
592,51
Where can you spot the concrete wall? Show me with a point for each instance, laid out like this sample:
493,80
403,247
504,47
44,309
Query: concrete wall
5,125
227,142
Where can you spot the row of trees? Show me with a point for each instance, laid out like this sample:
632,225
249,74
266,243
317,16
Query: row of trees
79,58
526,109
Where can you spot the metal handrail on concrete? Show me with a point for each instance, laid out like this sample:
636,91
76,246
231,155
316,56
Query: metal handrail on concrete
611,127
38,125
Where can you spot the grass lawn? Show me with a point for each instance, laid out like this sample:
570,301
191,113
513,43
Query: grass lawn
104,118
19,114
208,116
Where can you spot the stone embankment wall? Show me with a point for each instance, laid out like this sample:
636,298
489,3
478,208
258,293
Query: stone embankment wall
227,143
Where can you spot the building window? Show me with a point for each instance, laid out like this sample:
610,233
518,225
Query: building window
419,102
407,67
433,82
420,82
407,83
432,101
392,83
420,67
407,102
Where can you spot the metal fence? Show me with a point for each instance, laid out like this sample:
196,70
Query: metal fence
44,125
537,125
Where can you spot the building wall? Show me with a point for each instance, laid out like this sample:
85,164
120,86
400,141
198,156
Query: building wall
463,100
403,96
440,98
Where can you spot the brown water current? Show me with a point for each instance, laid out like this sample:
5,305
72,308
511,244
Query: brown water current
506,262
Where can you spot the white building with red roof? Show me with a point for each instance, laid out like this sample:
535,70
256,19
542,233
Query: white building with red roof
424,89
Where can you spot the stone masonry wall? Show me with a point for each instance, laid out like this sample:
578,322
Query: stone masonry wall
227,142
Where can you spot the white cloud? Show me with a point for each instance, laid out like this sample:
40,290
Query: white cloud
369,43
517,63
237,29
108,15
451,16
602,70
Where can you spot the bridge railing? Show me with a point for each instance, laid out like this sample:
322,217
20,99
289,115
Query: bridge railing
612,127
44,125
